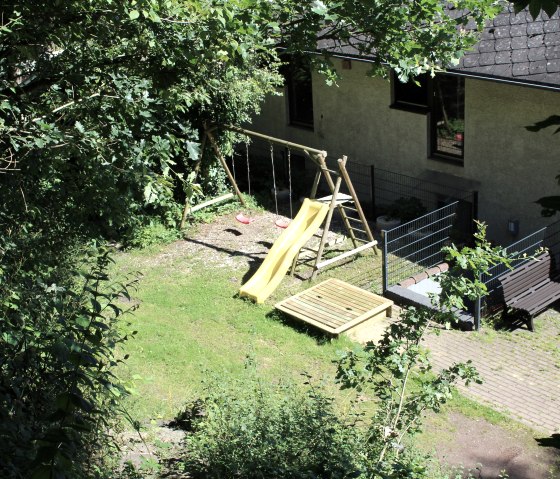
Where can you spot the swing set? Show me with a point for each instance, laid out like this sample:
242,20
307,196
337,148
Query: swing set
357,227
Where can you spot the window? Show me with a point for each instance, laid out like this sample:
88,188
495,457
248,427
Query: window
448,117
300,93
410,96
443,97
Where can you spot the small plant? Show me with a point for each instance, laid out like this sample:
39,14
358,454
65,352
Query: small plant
407,209
151,234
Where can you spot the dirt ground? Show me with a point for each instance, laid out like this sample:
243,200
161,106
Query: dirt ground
457,440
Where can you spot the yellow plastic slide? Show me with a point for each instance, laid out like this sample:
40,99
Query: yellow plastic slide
280,257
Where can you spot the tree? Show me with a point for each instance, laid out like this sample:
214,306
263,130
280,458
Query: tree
102,105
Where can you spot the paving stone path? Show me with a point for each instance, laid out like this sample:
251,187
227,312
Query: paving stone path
521,370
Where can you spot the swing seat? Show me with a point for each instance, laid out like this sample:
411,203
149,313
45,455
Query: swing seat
244,219
282,223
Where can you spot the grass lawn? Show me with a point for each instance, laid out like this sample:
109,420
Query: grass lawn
189,321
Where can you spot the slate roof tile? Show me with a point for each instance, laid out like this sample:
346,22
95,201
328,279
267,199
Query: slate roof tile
535,28
553,66
504,57
470,61
503,44
487,59
537,54
552,26
501,20
535,41
502,70
502,32
520,56
518,30
537,67
520,69
551,39
518,43
486,46
553,53
520,18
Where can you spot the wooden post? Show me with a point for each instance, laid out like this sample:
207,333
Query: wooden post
225,167
344,173
326,226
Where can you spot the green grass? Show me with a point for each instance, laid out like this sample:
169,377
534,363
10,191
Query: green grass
191,321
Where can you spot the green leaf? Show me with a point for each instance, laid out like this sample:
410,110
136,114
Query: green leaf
193,149
134,14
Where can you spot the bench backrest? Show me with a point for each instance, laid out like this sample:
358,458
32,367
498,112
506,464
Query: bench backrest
523,278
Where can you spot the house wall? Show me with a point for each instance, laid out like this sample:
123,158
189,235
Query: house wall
510,166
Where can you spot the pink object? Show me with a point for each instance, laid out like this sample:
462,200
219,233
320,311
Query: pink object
282,223
244,219
459,136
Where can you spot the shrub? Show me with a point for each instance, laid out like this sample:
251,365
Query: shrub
253,430
58,393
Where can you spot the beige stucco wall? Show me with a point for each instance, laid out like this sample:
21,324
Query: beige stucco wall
513,167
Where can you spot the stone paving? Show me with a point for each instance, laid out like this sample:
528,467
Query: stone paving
521,369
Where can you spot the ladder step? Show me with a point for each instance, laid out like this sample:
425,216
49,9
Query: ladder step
357,220
358,229
349,208
341,198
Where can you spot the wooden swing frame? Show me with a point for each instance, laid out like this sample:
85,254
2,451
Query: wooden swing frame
336,200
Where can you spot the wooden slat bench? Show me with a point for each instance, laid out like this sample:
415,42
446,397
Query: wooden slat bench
532,287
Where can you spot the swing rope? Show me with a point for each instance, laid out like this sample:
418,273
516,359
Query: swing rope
241,217
274,177
248,169
290,181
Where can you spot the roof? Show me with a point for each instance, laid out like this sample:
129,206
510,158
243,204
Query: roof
513,48
516,47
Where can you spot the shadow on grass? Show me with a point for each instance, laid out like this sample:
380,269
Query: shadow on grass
320,337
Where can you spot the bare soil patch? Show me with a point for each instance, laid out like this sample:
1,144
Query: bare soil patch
487,450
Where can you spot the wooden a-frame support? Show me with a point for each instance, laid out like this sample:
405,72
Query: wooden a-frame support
318,157
335,201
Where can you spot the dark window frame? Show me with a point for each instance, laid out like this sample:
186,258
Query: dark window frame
400,102
299,95
436,153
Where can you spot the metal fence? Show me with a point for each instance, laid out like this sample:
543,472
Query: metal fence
389,188
416,246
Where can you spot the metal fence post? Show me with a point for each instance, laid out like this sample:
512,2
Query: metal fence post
384,259
478,309
373,206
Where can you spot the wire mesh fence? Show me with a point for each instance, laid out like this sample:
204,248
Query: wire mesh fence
390,188
416,246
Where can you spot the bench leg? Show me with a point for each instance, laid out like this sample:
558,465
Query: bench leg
530,325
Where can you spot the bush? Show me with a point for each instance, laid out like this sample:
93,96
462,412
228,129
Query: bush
151,234
253,430
58,393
